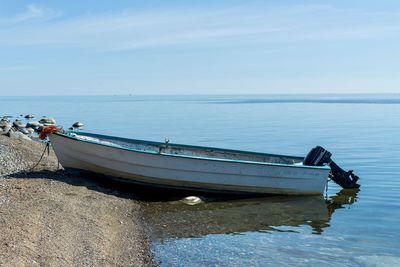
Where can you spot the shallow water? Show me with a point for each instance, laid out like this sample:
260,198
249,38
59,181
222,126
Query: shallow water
342,228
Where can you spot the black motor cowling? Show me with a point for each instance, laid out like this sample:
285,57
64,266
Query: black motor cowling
319,156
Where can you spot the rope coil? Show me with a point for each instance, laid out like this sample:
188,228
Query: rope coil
48,130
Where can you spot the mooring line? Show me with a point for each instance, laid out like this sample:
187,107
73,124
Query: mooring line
41,157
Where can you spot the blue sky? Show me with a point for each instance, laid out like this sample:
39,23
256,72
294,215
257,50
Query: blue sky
199,47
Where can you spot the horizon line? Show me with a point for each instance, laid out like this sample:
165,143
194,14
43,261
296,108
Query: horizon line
232,94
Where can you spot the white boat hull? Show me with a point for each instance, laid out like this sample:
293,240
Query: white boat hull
188,172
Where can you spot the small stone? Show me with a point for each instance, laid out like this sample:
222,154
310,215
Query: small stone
192,200
29,116
33,124
47,121
39,128
4,130
18,135
78,124
4,123
19,124
24,130
30,130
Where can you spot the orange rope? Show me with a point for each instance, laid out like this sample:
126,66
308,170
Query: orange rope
48,130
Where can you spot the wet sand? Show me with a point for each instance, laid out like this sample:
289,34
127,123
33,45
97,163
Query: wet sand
51,218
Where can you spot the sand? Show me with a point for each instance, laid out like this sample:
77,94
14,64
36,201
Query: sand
51,218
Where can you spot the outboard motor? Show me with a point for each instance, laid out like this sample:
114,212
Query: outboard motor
319,156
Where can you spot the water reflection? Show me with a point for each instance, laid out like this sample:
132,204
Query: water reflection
342,198
175,219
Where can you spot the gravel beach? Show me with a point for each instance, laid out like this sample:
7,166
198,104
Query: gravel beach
51,218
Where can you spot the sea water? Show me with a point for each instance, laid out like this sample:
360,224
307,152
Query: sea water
340,227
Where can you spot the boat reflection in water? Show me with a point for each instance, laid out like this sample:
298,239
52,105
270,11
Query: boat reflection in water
176,219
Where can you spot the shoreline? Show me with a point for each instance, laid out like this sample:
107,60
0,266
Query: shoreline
49,217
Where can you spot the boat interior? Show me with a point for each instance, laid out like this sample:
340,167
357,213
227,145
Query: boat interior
186,150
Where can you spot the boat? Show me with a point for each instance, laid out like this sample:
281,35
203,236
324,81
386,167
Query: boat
187,167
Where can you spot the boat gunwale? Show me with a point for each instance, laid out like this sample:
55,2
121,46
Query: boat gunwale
66,135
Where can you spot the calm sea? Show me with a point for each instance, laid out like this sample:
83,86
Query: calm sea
352,228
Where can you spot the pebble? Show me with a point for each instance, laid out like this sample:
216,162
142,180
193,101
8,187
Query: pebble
5,123
24,130
78,124
30,130
19,124
18,135
5,126
29,116
192,200
47,121
38,129
4,130
33,124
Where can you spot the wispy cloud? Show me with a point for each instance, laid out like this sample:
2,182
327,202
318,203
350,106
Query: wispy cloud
31,13
12,68
156,28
